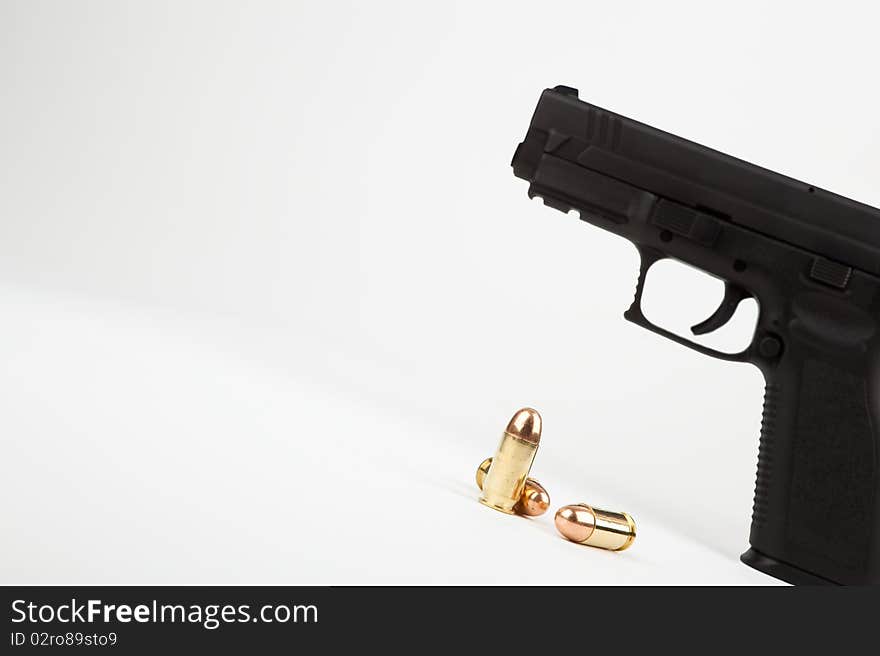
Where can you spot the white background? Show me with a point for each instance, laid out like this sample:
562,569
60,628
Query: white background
269,291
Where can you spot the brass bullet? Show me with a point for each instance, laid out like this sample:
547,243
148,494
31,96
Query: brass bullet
598,528
482,470
534,500
505,481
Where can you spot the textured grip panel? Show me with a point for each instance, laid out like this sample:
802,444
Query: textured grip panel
815,514
765,455
833,487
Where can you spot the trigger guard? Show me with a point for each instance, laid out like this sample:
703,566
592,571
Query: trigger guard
635,315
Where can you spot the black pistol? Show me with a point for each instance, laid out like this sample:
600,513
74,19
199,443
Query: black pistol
810,258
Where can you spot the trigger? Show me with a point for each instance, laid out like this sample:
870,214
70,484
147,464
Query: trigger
732,297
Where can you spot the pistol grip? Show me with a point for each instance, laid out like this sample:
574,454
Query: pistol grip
815,516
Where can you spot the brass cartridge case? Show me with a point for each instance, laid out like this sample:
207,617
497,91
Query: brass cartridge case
595,527
534,500
504,482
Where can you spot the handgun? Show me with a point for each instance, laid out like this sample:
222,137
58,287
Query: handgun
810,259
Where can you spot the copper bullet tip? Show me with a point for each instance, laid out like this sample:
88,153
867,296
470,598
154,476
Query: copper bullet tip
575,522
525,425
535,500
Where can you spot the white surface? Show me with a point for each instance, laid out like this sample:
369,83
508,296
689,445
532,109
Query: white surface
270,290
152,448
